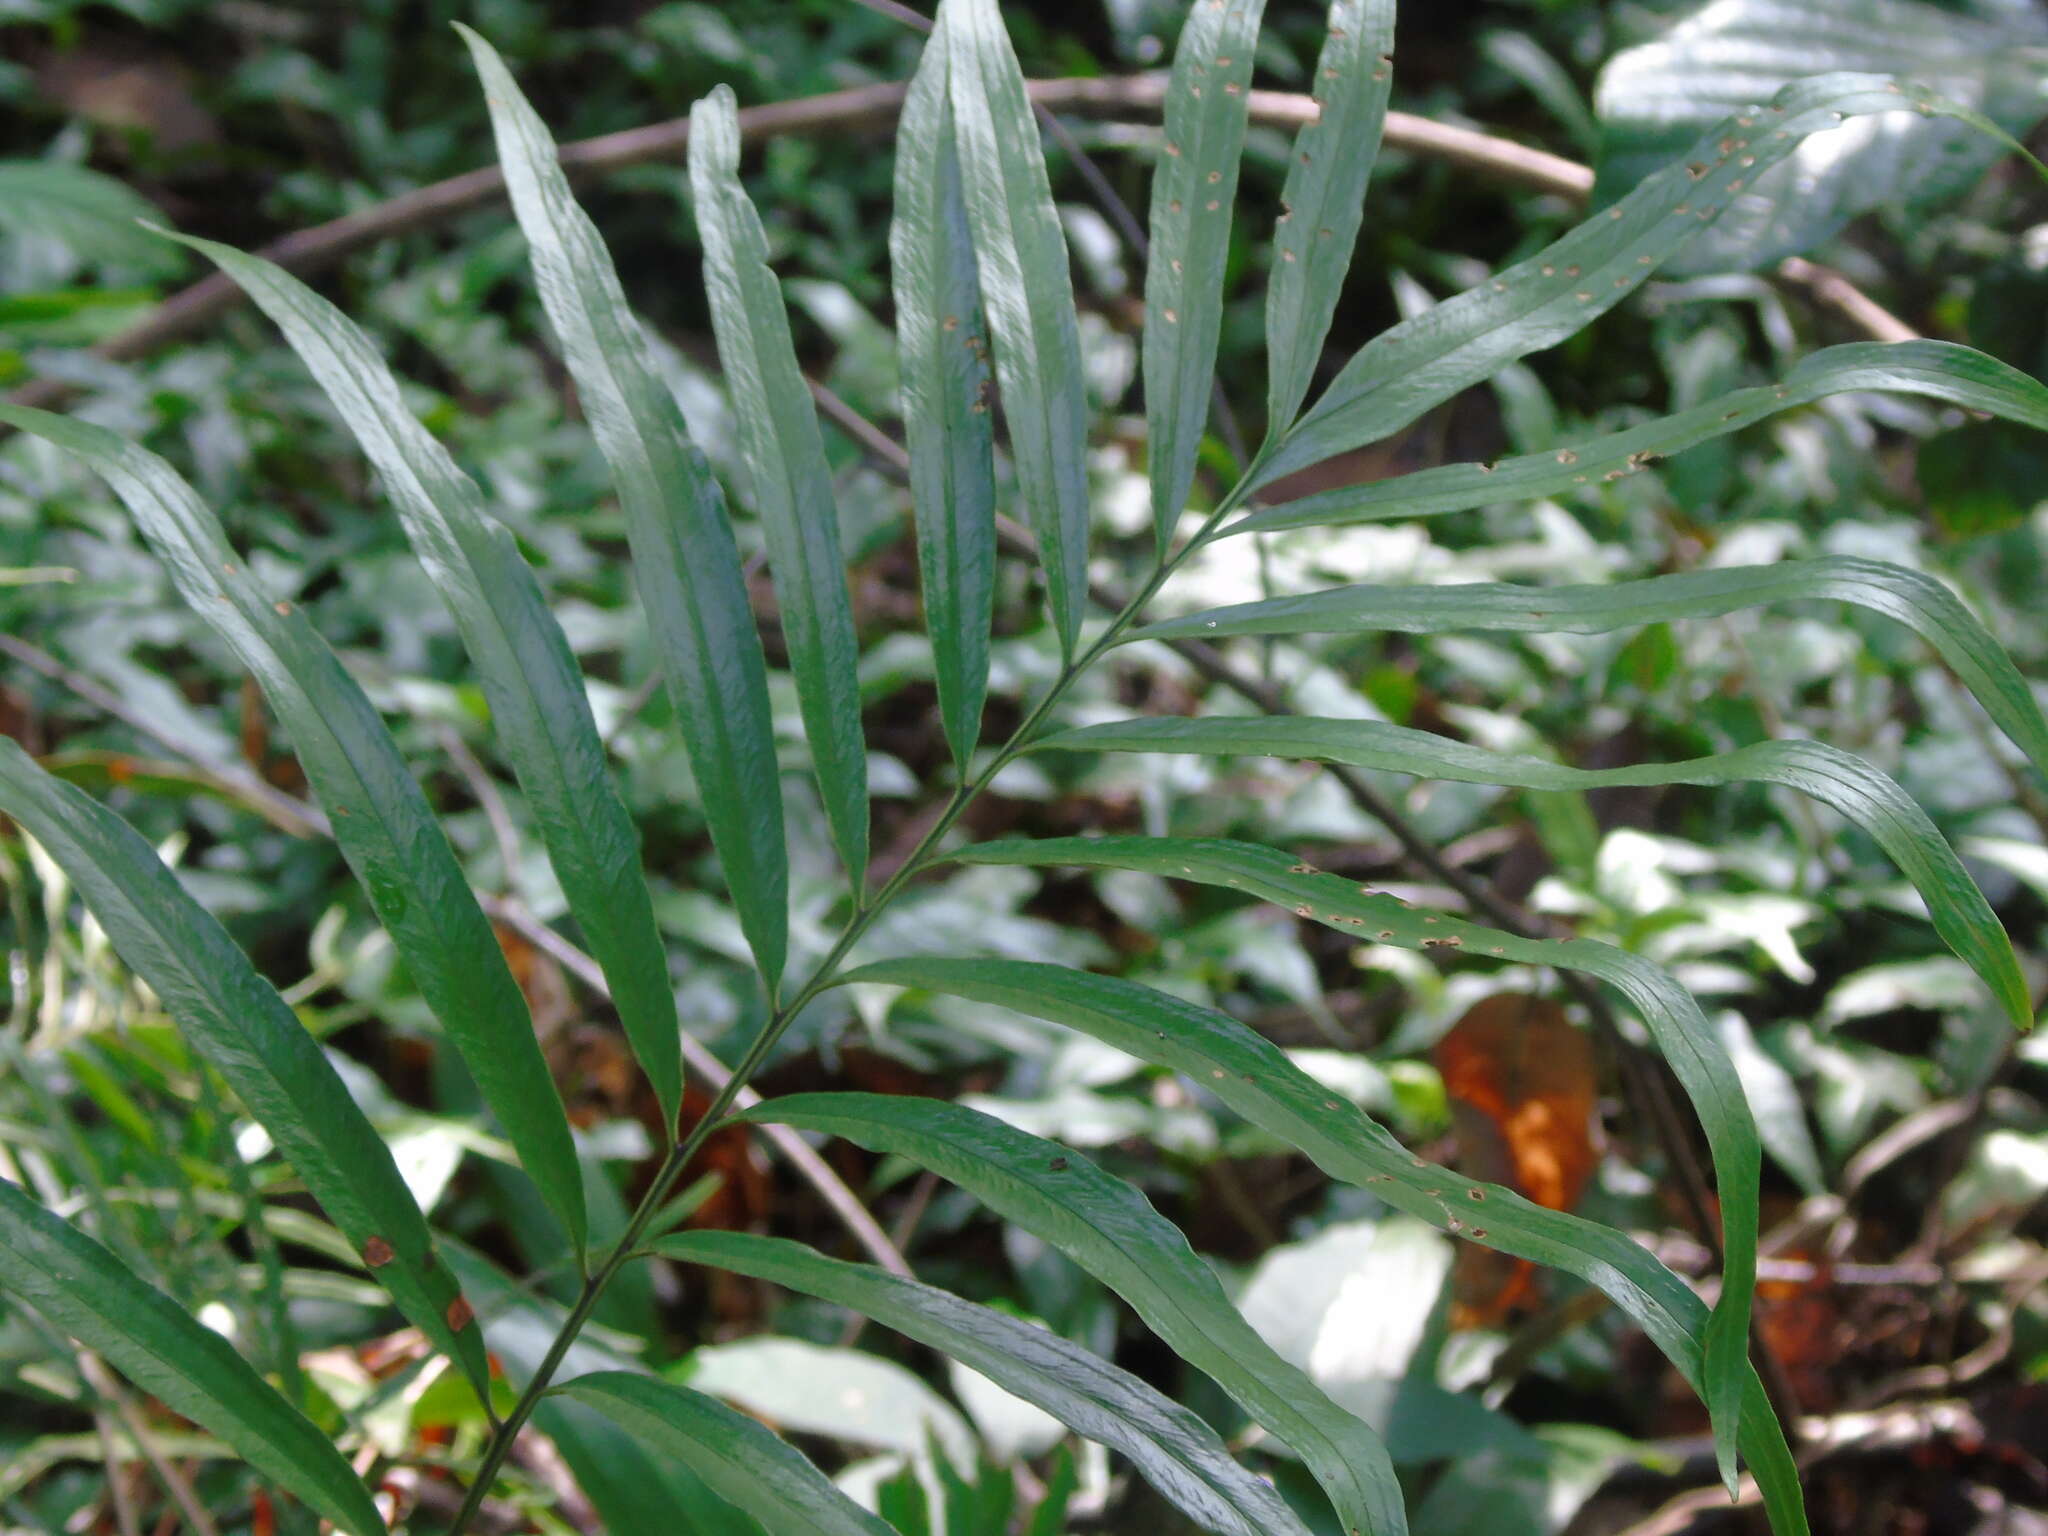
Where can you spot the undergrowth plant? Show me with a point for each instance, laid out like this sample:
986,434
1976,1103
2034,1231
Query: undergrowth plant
988,336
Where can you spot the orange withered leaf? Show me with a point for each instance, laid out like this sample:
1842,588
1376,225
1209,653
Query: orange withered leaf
1523,1087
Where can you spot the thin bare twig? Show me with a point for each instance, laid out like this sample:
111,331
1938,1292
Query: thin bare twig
862,108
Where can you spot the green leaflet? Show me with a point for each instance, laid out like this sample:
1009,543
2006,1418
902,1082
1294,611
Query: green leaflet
1027,294
1176,1451
1258,1081
634,1491
943,363
1937,369
538,704
785,459
1323,202
381,820
236,1020
1111,1230
738,1457
91,1295
684,556
1918,601
1692,1048
1401,373
1849,785
1194,191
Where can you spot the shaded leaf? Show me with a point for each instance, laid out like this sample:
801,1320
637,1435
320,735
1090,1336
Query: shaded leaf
1110,1229
236,1020
1847,784
1674,1020
1258,1080
634,1491
83,1289
539,708
1177,1453
942,355
738,1457
1913,598
684,556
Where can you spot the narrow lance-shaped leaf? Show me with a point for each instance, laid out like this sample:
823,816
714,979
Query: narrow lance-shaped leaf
538,704
635,1491
1692,1048
1257,1079
1323,201
1027,293
381,820
684,555
1194,191
1404,371
1108,1228
1914,598
236,1020
942,359
1939,370
784,455
740,1458
1171,1446
1869,799
83,1289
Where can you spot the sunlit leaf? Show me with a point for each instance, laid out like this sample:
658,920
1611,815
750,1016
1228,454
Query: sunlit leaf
684,555
1027,293
784,454
942,351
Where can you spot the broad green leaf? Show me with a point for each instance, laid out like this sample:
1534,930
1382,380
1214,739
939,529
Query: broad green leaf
1194,191
1027,293
1653,100
634,1491
1176,1451
684,556
738,1457
381,820
1259,1081
1323,202
1847,784
83,1289
942,359
236,1020
1918,601
1108,1228
538,704
784,454
1401,373
1691,1047
1937,369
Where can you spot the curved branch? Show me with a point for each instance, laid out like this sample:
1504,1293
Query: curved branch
866,108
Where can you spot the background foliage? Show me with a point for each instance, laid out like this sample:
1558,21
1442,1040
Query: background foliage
1905,1128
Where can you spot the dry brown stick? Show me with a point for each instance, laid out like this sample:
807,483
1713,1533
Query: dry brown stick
862,108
